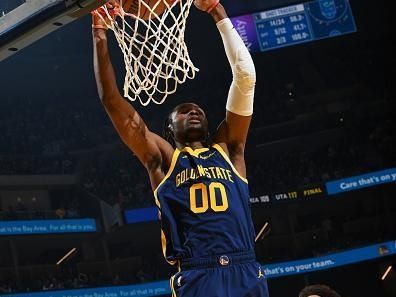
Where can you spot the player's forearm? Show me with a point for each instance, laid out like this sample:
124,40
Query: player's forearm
104,72
241,95
124,117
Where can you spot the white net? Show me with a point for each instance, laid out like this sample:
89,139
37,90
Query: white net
152,42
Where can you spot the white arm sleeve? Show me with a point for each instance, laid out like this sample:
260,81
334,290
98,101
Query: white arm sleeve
241,94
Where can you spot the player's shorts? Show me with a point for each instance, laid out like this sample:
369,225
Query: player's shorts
228,275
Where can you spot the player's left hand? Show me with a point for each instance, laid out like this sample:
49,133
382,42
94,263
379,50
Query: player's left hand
206,5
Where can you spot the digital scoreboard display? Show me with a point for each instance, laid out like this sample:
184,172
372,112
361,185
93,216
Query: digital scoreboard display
295,24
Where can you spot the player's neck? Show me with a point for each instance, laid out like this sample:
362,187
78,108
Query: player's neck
194,145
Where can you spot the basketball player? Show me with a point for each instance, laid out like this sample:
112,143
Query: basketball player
199,184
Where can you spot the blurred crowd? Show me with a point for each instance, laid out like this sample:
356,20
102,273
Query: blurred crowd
63,204
116,176
363,149
141,269
36,137
37,164
33,126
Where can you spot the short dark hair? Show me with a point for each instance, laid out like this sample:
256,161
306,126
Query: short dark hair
320,290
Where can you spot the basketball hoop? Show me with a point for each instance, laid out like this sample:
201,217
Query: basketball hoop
151,38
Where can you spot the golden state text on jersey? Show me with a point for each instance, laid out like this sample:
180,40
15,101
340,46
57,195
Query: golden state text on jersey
204,206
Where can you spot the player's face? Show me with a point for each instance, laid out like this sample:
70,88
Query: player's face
189,123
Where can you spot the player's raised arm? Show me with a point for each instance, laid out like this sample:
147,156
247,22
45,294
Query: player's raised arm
232,132
150,148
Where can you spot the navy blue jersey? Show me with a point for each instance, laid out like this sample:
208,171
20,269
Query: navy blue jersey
204,206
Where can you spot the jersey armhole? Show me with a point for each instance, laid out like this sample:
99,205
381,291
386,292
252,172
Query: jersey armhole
170,170
225,156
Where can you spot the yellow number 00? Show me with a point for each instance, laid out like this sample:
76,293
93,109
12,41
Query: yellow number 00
205,201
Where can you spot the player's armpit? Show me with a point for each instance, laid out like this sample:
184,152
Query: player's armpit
231,135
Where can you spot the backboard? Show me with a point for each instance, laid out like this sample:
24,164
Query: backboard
23,22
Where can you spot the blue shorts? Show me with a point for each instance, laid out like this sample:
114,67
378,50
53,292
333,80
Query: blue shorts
229,275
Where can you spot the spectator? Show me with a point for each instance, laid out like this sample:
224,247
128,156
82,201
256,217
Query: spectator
60,212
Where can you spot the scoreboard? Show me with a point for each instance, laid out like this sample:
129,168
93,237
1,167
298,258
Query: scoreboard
295,24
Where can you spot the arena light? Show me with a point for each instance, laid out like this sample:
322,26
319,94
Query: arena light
386,272
261,231
66,256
